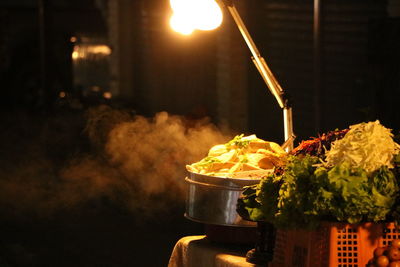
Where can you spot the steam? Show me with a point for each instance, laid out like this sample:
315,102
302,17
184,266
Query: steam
142,160
153,154
134,161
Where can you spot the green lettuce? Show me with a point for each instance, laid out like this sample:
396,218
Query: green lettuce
353,195
307,193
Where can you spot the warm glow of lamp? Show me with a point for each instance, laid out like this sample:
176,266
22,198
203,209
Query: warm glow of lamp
83,51
75,55
180,23
190,15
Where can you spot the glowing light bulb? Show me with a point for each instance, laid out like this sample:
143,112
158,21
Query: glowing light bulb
176,4
208,15
189,15
179,24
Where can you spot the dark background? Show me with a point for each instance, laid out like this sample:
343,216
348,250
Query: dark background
348,74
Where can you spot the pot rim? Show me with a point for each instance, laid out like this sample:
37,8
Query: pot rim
223,181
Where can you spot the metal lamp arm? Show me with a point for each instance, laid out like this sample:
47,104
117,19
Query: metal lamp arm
266,74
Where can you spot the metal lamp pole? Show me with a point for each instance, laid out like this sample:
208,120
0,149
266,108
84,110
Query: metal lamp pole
267,76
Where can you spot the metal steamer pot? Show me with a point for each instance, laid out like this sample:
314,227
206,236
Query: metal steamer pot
212,200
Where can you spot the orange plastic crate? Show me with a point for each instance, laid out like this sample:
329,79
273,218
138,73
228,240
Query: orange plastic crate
332,244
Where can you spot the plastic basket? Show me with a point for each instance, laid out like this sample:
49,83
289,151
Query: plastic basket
332,244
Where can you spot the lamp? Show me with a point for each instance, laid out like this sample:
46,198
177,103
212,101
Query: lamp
192,13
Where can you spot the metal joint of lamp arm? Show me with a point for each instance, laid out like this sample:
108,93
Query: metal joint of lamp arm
266,74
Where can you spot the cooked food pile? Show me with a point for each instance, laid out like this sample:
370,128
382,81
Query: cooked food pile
243,156
348,176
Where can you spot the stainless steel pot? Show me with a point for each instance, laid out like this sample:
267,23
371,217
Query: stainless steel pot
212,200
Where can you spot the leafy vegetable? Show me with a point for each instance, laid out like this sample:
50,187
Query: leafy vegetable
238,142
353,195
282,199
317,146
366,145
247,206
356,180
306,194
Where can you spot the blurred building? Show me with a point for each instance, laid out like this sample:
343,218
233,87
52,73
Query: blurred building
351,76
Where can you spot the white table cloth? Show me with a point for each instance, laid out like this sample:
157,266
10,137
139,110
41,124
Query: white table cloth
197,251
